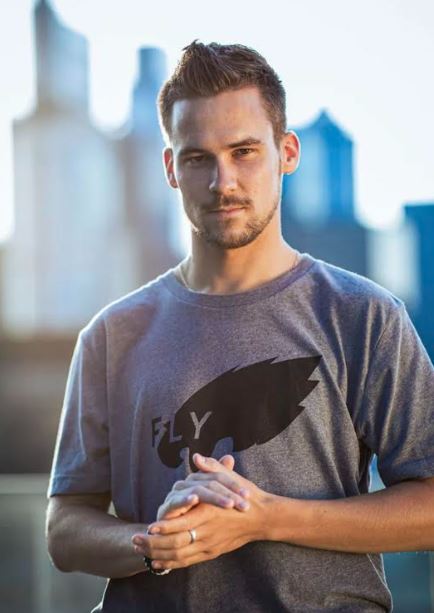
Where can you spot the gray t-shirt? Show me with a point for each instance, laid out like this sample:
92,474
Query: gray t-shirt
303,379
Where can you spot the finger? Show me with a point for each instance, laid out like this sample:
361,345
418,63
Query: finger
227,461
155,545
171,564
179,485
140,539
176,512
208,464
177,504
238,501
158,552
217,495
193,519
225,479
177,554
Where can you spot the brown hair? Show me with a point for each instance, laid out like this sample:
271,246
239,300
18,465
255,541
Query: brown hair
207,70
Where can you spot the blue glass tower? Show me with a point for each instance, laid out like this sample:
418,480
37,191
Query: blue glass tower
321,190
318,199
421,217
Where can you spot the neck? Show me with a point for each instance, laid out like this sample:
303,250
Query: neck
234,270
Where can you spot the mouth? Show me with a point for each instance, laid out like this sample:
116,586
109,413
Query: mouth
228,212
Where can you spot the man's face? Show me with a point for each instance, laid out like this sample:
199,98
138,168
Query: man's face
224,156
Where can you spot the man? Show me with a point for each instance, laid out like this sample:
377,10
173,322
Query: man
290,370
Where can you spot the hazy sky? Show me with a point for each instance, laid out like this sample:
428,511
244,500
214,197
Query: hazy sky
369,63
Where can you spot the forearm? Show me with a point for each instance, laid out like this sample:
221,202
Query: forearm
399,518
92,541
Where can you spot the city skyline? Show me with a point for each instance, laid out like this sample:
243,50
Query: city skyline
386,175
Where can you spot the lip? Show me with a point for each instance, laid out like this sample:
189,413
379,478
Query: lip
227,212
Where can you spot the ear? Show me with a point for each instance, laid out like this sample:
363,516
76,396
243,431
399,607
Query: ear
290,151
168,165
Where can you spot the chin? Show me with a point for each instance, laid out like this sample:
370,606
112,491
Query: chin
228,240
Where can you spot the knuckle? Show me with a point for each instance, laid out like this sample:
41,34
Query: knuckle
181,525
149,551
179,540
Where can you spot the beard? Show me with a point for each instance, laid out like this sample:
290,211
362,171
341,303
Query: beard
221,235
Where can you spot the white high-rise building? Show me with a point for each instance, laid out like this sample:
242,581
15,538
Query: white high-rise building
153,209
74,248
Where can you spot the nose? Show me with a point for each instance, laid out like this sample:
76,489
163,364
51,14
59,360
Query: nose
223,178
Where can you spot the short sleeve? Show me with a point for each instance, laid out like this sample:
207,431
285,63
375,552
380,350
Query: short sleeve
81,463
396,420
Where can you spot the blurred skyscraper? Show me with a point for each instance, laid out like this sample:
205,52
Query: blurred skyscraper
421,218
318,199
95,219
322,188
151,206
92,213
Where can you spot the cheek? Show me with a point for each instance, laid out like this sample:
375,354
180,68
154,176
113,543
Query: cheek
192,182
260,177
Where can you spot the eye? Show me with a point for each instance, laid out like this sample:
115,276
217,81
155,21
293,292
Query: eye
244,151
194,160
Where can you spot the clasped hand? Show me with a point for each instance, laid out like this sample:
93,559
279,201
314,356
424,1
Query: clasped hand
224,509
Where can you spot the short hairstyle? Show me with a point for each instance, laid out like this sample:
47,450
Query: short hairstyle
207,70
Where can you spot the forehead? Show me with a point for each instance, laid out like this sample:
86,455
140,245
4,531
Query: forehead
226,117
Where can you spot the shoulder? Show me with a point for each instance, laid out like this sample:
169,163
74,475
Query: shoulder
348,295
346,285
128,315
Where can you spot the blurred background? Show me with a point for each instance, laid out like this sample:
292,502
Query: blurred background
86,215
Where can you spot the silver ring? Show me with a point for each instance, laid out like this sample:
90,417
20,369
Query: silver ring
193,536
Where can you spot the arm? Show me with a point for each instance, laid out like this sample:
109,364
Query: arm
82,536
399,518
395,418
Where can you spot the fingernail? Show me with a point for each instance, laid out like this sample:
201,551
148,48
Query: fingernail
138,539
244,505
156,564
153,530
244,492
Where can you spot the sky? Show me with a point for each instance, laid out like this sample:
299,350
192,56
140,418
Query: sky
368,63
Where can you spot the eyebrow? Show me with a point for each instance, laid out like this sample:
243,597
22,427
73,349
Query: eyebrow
245,142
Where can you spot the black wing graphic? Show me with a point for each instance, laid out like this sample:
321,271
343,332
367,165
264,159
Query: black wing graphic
251,405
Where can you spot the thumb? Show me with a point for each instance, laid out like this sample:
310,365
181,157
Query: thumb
208,464
227,461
